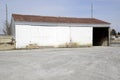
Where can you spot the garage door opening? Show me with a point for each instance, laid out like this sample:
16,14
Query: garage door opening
100,36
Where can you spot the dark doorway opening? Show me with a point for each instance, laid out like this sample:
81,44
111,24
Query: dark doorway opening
100,36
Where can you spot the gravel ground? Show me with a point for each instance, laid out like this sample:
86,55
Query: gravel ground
94,63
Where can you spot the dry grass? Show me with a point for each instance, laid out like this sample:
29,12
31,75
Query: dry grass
7,46
32,46
73,45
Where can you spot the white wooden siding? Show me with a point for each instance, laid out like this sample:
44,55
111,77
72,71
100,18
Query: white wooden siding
82,35
51,36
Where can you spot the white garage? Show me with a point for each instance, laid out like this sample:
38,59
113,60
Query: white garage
58,31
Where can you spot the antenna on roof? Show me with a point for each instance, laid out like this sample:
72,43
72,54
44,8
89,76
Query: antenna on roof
91,10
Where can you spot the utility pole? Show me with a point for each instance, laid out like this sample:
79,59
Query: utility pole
6,16
91,10
7,28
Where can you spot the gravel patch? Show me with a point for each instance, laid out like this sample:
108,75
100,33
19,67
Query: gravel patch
93,63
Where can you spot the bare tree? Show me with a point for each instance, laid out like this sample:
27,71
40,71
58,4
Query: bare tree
6,29
113,32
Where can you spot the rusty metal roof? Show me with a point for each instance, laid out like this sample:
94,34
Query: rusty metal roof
50,19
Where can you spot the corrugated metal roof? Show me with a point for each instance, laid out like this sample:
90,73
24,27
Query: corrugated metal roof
33,18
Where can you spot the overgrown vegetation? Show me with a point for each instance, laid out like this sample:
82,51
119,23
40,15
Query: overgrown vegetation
113,32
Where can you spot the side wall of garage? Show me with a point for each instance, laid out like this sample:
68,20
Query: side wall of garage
52,36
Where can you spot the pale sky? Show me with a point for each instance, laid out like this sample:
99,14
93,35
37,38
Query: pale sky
107,10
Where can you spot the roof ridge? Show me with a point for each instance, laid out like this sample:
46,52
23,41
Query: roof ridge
51,16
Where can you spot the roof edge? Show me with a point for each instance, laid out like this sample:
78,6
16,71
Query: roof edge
38,18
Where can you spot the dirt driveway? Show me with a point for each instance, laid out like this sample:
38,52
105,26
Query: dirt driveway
94,63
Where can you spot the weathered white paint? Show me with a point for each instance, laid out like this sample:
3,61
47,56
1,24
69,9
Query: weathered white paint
41,35
82,35
51,36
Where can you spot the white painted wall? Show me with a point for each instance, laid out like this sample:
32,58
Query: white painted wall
82,35
41,35
51,36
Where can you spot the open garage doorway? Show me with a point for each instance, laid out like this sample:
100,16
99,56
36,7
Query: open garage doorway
100,36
